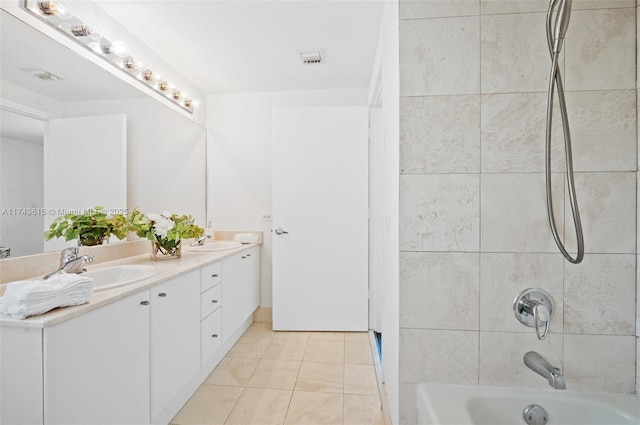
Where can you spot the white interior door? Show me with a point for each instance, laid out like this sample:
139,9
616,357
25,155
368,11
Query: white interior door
85,165
320,195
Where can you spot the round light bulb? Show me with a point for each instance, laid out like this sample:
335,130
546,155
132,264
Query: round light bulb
117,48
86,30
96,47
195,103
59,8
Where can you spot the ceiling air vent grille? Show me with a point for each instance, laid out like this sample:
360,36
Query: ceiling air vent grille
42,74
312,57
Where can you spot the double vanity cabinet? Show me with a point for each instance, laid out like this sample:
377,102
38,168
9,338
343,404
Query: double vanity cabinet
135,360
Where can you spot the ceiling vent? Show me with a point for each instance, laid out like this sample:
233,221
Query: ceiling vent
312,57
43,74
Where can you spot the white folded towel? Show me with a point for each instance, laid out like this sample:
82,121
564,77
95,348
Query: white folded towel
26,298
246,238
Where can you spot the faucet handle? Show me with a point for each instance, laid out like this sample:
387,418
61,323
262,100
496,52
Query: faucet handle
68,254
541,314
535,308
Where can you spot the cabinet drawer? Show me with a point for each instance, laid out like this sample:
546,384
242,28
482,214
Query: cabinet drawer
210,276
210,301
210,336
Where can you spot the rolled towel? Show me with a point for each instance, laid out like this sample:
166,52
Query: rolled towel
32,297
246,238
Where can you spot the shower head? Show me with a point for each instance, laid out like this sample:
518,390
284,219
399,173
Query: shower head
561,25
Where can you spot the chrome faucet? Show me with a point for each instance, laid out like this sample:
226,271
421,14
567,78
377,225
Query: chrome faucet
70,262
200,241
542,367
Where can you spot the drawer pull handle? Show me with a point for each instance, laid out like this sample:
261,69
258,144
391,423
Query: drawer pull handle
162,294
144,302
214,275
244,258
214,301
214,336
248,255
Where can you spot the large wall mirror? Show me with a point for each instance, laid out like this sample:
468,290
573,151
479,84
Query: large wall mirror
117,147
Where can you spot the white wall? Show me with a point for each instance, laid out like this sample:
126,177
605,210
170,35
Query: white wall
165,155
387,63
239,151
22,177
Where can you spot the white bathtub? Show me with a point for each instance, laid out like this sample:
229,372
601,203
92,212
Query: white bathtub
440,404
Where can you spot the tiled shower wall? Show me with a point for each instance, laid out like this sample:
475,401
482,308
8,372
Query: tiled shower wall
473,225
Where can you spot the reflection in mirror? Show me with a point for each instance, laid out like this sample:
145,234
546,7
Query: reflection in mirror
41,80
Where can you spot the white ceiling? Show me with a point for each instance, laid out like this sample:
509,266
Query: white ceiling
242,46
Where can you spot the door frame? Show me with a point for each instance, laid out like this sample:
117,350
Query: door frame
376,210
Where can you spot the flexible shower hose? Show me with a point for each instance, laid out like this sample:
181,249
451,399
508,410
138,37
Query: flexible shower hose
555,80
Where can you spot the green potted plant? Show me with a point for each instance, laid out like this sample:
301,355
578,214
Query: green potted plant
165,231
90,227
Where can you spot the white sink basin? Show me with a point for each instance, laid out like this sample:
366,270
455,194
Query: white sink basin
215,246
115,276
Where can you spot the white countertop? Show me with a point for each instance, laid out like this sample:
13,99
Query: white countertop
165,270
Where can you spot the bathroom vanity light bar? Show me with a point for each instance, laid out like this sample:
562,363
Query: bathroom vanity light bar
59,15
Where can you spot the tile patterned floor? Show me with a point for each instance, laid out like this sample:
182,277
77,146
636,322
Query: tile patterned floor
289,378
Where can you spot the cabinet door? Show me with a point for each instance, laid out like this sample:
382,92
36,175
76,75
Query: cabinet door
252,280
174,338
96,366
233,288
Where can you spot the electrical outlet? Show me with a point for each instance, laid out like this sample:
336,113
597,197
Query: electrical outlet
266,216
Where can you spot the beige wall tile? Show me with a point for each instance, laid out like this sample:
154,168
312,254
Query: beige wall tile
360,379
504,276
324,351
439,212
433,287
608,212
515,57
603,130
495,7
600,295
321,377
308,408
502,353
259,406
209,405
440,134
275,374
362,410
413,9
408,404
514,215
599,4
448,357
600,50
638,367
232,371
514,133
439,56
357,352
600,363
